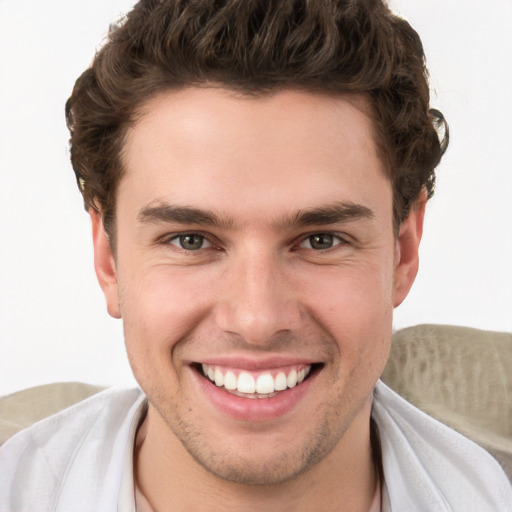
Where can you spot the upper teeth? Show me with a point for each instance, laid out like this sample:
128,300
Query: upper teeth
263,384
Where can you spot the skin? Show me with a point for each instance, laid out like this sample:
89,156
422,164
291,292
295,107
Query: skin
256,289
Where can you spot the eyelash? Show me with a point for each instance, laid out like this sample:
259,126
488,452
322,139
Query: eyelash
338,239
168,239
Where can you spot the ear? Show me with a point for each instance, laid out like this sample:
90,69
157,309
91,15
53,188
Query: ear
105,264
406,250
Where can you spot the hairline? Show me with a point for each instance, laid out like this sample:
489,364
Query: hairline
361,100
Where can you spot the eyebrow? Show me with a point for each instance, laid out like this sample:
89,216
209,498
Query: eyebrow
163,212
328,214
331,214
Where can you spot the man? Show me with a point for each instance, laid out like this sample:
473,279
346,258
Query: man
256,173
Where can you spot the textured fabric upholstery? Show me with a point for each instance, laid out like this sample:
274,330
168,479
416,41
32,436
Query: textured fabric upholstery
19,410
460,376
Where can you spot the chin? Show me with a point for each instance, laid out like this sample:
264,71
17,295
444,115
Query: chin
272,470
260,456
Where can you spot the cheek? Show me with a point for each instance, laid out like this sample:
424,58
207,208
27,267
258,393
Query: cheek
353,293
356,309
161,297
158,310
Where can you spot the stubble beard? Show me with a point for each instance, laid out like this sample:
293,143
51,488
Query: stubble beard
285,465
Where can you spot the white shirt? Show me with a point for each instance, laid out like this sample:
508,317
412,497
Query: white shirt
81,460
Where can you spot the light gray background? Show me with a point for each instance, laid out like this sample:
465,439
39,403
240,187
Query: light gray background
53,322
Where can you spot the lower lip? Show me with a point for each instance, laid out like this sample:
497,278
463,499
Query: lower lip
255,409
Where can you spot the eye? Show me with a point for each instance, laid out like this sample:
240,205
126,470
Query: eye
190,242
321,241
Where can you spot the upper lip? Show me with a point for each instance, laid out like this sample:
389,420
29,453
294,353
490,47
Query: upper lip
252,363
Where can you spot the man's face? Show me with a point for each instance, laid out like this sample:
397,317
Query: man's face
255,245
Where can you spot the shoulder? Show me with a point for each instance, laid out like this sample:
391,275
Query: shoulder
80,440
428,466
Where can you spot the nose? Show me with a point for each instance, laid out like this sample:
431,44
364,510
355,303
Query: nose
258,300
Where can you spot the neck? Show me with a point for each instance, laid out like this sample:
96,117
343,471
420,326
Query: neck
170,479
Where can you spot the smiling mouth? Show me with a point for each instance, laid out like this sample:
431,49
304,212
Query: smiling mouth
257,385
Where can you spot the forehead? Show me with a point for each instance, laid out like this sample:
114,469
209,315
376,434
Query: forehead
213,147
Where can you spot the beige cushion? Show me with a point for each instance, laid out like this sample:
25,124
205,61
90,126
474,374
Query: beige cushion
19,410
460,376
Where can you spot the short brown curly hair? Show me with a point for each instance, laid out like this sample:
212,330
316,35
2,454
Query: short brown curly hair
257,47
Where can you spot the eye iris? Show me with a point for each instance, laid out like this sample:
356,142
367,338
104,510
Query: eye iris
191,242
321,241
